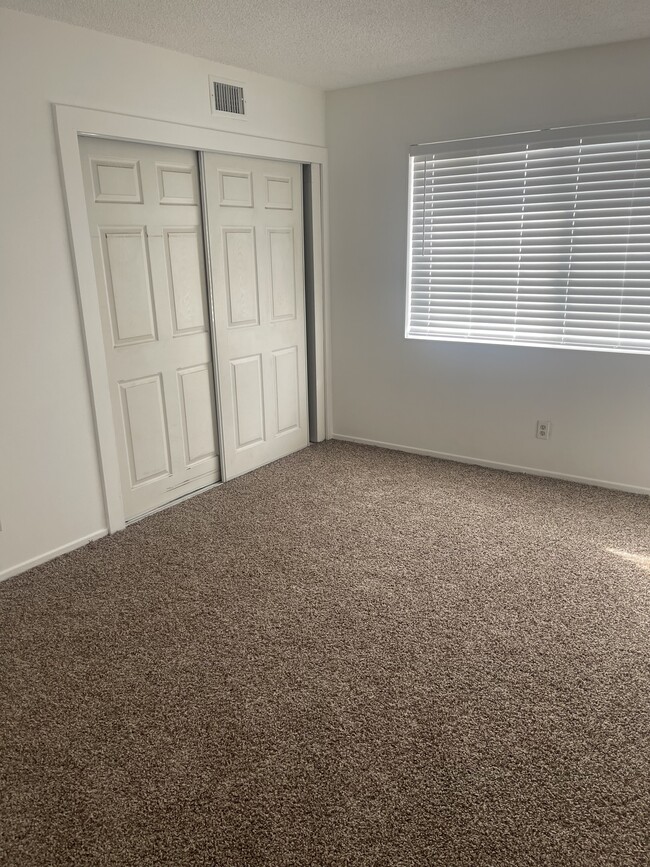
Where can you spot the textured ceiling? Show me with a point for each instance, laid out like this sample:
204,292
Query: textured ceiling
338,43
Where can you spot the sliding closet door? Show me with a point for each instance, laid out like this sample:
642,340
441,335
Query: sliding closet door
147,235
254,217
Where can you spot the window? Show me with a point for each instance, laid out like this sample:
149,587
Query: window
536,238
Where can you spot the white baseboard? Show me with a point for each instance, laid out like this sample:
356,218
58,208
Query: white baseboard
495,465
50,555
463,459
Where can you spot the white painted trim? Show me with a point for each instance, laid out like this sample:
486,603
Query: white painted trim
108,124
73,121
50,555
82,256
327,302
495,465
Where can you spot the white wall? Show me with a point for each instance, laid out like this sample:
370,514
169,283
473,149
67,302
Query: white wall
50,492
469,400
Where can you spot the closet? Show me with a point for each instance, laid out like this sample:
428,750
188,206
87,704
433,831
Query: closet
200,279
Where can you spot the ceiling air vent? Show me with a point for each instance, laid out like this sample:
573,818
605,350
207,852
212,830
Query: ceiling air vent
227,97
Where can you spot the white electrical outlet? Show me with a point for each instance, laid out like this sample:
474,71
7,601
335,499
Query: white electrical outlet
543,430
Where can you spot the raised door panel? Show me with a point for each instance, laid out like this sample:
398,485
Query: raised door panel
286,388
279,193
197,413
145,429
177,184
186,284
240,266
235,189
247,400
116,181
128,284
283,273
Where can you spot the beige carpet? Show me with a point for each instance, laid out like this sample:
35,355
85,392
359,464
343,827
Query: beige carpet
351,657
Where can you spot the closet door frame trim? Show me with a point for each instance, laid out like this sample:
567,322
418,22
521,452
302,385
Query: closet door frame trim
71,122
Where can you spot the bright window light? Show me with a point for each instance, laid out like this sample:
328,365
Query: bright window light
538,239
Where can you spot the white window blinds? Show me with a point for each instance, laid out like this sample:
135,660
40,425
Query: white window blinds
538,238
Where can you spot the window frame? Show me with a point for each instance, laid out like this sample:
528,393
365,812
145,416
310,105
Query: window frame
514,139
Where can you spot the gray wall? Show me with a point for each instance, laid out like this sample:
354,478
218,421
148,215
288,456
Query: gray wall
474,401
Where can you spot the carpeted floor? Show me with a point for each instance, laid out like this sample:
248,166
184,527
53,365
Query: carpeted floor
350,657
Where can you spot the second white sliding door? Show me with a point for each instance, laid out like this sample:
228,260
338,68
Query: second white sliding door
254,218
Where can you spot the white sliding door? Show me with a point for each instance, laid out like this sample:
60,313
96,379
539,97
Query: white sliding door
254,217
145,220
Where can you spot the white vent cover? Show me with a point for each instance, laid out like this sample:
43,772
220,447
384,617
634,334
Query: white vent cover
227,97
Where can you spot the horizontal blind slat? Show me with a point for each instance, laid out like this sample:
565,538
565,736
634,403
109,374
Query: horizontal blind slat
546,243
